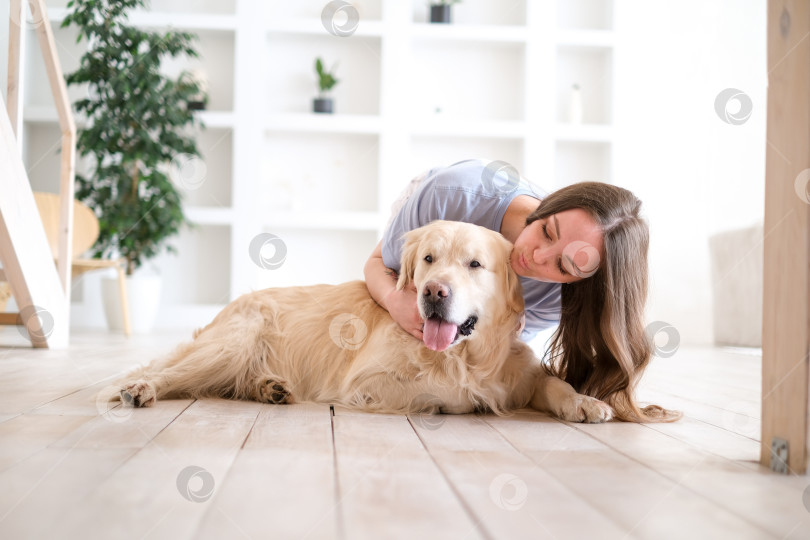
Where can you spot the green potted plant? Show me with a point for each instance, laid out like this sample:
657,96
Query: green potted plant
326,81
138,129
440,10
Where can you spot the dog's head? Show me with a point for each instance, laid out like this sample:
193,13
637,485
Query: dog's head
463,280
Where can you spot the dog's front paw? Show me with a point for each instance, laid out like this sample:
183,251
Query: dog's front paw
581,408
139,394
272,391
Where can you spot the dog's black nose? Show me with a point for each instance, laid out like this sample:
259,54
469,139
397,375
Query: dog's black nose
436,291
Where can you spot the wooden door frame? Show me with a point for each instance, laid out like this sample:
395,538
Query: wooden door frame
786,286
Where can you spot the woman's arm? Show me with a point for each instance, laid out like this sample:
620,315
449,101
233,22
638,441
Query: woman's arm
401,305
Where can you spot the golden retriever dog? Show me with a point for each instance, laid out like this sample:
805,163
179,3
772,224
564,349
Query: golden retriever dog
334,344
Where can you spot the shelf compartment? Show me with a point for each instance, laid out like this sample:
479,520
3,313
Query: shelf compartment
205,247
211,186
316,256
582,161
314,172
291,84
585,14
216,50
592,70
442,82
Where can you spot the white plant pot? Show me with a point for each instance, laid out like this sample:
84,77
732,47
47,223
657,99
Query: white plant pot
143,296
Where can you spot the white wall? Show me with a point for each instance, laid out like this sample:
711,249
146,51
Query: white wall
695,173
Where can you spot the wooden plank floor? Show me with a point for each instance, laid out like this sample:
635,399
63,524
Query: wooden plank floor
72,467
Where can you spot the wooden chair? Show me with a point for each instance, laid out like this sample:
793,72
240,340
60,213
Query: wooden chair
85,234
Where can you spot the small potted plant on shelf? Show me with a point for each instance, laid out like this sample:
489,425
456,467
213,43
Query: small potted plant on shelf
326,81
138,122
440,11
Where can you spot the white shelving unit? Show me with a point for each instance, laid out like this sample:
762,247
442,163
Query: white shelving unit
411,95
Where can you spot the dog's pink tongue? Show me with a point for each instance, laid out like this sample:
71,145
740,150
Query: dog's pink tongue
439,334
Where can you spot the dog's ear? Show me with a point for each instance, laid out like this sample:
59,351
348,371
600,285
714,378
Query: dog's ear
514,290
408,258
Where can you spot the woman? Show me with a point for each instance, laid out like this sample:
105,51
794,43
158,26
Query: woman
581,254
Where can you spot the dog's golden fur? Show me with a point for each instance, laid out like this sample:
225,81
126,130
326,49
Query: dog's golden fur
335,344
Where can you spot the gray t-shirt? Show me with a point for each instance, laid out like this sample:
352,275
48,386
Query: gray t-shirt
469,191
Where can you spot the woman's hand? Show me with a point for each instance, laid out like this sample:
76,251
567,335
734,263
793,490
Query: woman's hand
401,305
382,285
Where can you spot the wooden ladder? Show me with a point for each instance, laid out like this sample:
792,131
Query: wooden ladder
41,289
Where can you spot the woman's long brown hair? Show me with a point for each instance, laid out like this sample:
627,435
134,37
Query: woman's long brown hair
601,347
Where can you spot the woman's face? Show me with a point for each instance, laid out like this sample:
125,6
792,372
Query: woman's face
561,248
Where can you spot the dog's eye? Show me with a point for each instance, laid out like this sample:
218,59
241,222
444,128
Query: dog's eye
429,259
475,264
